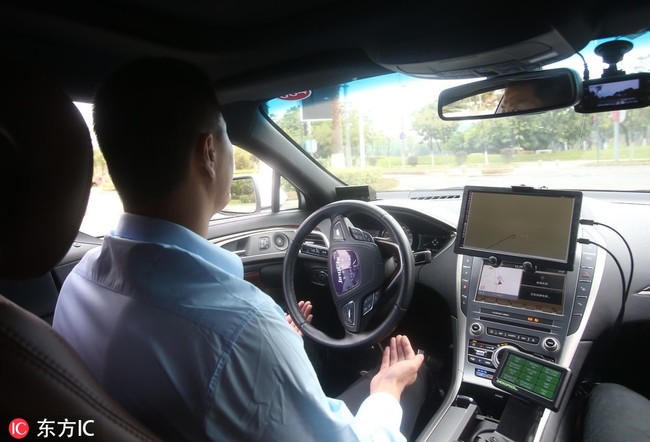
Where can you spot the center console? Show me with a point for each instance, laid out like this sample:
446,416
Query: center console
510,307
524,288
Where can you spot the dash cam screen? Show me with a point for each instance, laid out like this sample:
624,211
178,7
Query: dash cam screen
618,93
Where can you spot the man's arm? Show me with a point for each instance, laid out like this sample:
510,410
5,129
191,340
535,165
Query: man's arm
399,368
305,307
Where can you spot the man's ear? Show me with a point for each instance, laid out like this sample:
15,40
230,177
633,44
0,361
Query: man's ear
208,153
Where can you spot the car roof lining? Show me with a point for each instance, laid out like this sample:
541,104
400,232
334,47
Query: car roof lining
259,42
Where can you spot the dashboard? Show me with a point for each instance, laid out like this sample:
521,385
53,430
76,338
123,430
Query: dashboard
550,307
423,233
521,291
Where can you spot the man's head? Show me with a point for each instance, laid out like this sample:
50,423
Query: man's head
153,117
544,94
520,96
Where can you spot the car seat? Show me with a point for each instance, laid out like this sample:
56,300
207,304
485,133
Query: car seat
614,412
46,163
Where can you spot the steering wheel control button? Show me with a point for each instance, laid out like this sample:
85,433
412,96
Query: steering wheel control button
357,234
368,237
368,304
346,270
337,232
349,314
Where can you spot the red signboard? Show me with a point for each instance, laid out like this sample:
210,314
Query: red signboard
296,96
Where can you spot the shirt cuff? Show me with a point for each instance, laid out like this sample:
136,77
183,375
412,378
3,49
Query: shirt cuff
379,418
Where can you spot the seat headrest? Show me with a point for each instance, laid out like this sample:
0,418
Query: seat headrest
46,166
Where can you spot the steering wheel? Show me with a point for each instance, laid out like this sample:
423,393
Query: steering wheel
362,270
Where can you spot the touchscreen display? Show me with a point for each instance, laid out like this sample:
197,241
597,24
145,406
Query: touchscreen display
531,378
512,286
532,225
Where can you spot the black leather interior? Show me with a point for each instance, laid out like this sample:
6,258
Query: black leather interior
45,177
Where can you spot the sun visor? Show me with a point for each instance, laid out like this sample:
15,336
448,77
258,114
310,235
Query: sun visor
409,57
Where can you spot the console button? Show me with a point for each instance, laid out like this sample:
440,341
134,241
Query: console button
586,274
583,288
480,352
481,373
580,305
588,260
280,240
575,323
464,286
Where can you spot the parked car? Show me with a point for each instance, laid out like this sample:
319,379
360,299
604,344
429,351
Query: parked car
511,233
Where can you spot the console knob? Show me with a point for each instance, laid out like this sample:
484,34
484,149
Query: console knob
551,344
476,328
496,355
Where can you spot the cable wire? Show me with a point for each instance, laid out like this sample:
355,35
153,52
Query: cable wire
589,222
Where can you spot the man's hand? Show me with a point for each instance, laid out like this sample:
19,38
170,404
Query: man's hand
305,307
399,368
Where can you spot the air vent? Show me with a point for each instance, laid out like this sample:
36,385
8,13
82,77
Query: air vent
436,197
317,239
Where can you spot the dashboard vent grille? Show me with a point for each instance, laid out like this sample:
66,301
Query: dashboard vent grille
317,239
435,197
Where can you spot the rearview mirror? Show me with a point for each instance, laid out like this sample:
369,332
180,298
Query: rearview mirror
518,94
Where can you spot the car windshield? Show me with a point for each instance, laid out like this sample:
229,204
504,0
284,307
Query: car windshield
385,132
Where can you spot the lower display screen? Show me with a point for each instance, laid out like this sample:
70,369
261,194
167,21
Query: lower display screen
530,378
513,286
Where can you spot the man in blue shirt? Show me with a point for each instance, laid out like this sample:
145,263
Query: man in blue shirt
164,318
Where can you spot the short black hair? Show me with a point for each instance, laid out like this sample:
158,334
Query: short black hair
147,116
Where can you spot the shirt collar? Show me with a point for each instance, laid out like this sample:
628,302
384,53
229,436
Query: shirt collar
154,230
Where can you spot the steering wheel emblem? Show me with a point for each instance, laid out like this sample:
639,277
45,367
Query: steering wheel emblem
347,273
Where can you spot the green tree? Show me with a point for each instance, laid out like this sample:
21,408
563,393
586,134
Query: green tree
244,161
291,124
434,131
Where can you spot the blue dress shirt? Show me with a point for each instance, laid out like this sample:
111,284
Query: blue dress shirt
166,322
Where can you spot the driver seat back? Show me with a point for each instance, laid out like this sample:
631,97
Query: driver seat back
46,164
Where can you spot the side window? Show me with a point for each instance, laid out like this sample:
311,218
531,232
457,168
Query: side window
253,182
289,198
254,187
